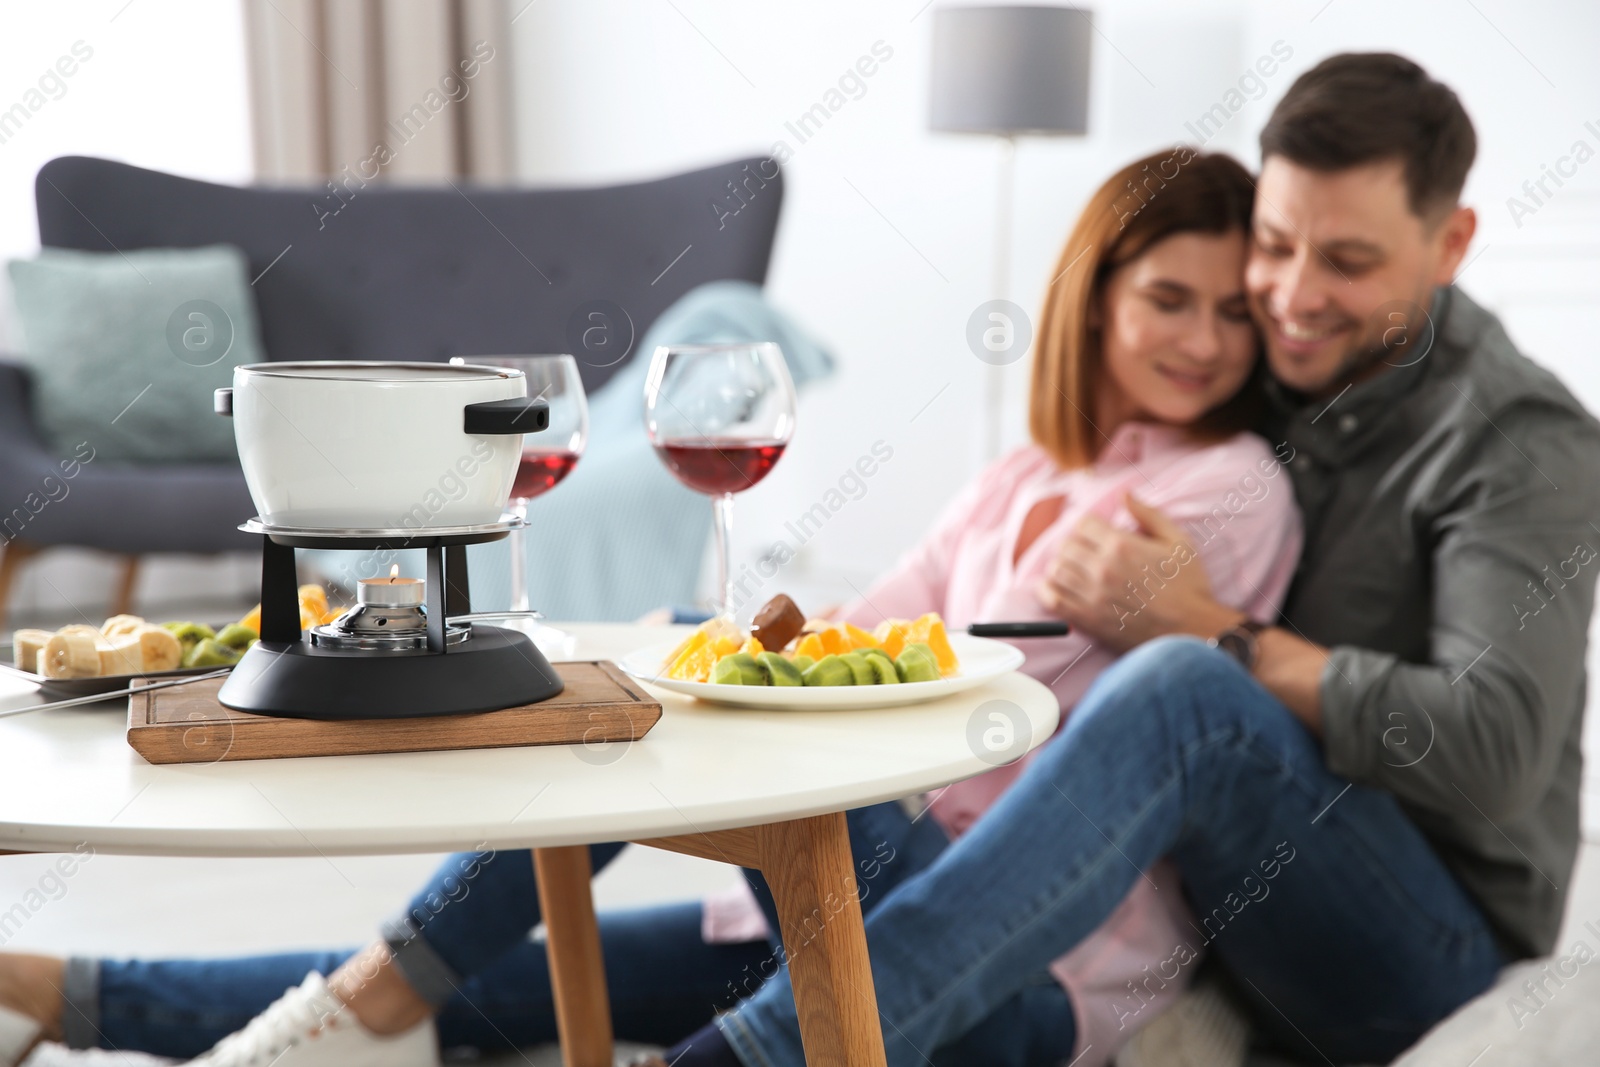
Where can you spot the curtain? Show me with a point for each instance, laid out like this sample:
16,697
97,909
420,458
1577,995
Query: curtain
380,90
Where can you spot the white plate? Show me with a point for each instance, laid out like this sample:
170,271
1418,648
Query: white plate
981,659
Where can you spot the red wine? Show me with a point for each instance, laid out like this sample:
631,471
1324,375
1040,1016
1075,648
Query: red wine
539,472
718,465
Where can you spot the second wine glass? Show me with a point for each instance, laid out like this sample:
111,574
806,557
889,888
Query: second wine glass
547,456
720,417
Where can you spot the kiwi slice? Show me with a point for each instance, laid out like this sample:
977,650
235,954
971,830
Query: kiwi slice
779,670
916,663
864,674
882,665
740,668
829,670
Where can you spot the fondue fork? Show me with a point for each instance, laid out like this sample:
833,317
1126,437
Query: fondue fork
95,698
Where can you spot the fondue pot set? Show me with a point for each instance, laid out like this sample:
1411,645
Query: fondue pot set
388,456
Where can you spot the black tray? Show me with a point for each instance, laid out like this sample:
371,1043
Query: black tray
83,687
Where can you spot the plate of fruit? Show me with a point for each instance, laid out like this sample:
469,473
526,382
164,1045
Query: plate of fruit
82,660
786,661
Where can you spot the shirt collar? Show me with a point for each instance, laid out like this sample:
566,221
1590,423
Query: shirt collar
1136,443
1337,429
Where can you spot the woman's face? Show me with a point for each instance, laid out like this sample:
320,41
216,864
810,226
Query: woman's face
1175,329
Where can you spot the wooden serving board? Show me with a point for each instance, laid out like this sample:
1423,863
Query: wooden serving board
185,724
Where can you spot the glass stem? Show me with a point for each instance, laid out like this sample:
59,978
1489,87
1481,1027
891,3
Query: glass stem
722,520
517,540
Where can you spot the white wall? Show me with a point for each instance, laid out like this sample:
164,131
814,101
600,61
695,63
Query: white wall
164,87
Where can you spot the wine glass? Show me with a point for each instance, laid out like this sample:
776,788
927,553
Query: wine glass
720,417
547,456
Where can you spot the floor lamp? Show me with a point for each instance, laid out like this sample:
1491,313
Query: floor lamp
1008,72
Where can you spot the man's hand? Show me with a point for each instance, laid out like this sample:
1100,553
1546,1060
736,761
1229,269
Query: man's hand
1123,588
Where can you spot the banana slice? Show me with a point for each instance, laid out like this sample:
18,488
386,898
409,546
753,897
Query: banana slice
70,654
159,649
121,655
80,628
121,624
26,645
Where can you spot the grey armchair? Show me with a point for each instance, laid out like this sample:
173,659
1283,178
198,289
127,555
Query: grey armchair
371,273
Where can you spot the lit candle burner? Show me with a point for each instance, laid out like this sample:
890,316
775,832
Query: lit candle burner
391,592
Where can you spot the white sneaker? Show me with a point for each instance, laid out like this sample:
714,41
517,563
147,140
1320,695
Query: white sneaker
18,1032
310,1027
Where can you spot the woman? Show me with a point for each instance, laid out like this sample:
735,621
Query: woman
1145,378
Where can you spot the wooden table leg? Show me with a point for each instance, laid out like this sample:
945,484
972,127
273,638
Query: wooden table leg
808,866
572,942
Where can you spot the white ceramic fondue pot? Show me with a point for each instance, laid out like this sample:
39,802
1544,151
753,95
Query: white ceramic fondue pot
379,446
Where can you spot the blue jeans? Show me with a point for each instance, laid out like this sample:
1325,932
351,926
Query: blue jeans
463,945
473,959
1343,930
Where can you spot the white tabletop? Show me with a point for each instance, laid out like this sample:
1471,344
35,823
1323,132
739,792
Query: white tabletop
68,777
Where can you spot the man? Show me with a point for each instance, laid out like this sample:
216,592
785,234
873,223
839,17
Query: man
1373,805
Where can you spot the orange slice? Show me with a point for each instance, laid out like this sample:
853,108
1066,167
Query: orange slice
677,662
810,645
859,638
833,642
939,641
725,646
682,647
891,635
752,646
696,666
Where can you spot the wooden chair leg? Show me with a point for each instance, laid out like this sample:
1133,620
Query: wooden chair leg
122,600
807,864
572,942
12,556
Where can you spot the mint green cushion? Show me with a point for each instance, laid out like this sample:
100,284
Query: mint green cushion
126,349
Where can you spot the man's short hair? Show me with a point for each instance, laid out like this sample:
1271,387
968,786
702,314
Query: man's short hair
1367,107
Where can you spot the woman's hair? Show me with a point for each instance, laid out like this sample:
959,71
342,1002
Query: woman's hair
1175,191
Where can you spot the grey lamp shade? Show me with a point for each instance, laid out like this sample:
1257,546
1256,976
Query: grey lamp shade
1010,70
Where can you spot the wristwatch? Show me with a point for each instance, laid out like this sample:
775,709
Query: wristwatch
1240,642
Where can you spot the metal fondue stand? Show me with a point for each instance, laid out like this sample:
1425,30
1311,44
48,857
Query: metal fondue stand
384,660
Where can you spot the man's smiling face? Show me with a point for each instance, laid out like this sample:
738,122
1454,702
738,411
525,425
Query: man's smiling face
1332,254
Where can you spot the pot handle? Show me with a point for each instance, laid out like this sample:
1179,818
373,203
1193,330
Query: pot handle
222,402
520,414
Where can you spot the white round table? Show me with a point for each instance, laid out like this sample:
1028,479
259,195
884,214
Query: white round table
760,789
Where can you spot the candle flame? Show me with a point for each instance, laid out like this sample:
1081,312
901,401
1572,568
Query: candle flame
394,572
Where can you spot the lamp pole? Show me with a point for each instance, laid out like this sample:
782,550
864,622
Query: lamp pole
994,380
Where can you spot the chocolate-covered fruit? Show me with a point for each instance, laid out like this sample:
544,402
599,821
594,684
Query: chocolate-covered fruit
778,622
